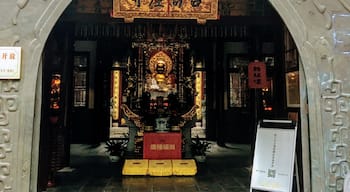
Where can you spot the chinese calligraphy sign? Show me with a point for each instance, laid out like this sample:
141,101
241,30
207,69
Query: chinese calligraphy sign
257,75
201,10
10,62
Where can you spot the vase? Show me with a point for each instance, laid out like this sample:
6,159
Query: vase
200,158
114,158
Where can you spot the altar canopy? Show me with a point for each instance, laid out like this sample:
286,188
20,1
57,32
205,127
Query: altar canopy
201,10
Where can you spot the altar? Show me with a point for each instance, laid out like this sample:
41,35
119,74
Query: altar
158,94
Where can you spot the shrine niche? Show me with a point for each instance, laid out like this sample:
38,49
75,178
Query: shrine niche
156,90
161,78
201,10
157,81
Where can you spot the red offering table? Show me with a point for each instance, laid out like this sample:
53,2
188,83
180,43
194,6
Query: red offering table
162,145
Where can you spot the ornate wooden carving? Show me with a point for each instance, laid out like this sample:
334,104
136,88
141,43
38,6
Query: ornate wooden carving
201,10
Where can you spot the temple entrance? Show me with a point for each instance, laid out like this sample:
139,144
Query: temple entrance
120,81
315,27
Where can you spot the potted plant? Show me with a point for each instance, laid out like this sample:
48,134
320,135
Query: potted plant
199,149
116,148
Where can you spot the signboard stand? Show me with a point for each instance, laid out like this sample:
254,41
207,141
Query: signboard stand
274,155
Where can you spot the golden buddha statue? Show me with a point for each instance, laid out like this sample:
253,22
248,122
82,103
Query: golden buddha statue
160,65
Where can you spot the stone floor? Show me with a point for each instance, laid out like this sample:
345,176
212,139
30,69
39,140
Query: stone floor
227,169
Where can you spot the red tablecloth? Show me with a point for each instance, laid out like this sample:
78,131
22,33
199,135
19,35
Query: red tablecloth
162,145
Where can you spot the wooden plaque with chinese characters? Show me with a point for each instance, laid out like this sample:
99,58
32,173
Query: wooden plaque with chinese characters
257,75
201,10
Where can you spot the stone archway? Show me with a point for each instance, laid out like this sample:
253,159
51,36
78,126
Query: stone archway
315,26
313,23
26,24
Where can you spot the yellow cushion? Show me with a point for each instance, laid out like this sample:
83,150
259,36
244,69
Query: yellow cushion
160,168
184,167
135,167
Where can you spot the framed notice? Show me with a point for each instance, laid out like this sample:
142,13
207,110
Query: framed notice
10,62
274,153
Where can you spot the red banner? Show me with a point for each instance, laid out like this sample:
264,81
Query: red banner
257,75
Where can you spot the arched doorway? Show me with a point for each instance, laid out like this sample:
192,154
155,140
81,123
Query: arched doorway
294,15
249,39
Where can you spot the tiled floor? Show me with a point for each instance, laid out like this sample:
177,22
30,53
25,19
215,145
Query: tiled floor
226,170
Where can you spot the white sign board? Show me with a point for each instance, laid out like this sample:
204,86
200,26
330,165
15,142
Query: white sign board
274,157
10,62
